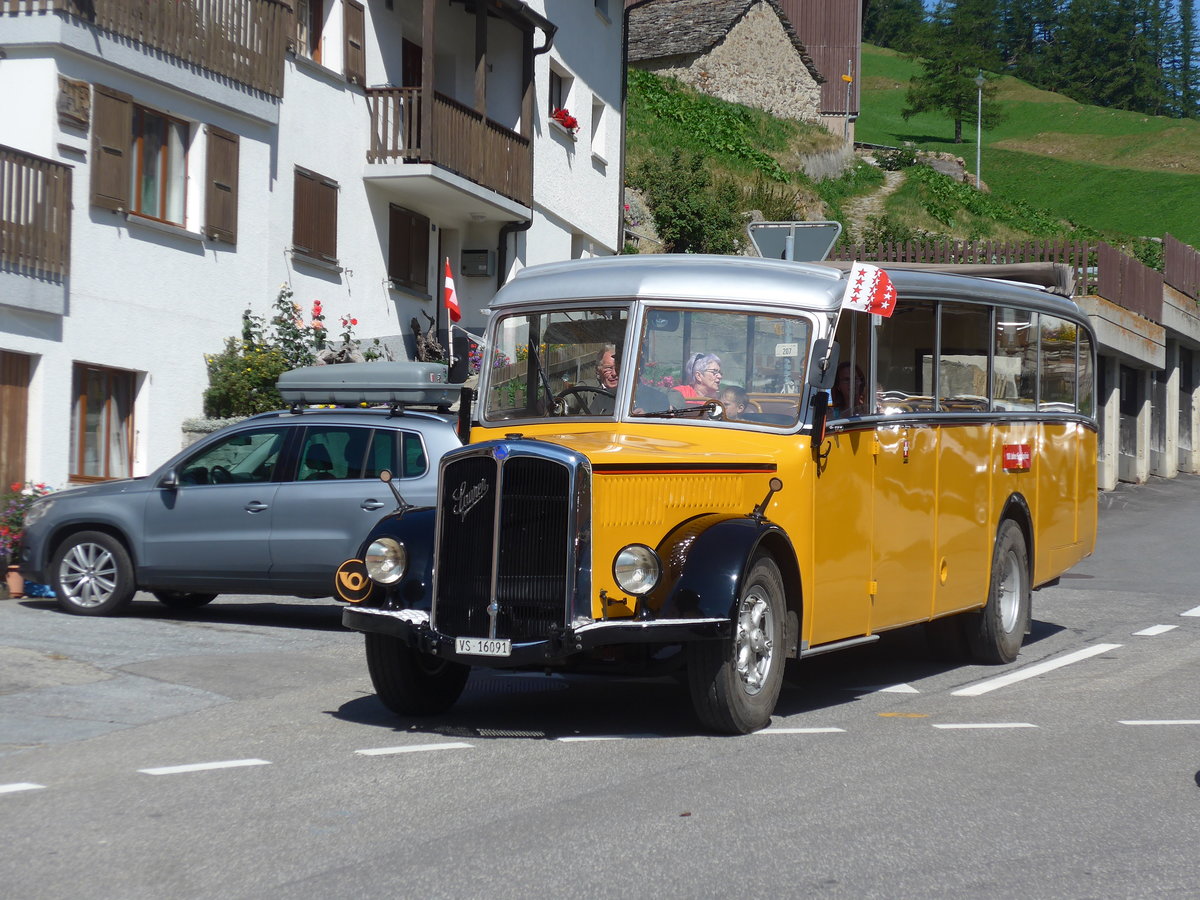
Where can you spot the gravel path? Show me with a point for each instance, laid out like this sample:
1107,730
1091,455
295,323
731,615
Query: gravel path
860,209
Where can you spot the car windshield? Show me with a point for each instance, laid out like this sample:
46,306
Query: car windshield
687,364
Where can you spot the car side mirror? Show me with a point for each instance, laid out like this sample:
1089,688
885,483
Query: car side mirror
169,481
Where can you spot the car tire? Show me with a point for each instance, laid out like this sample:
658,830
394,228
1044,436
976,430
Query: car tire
183,599
735,683
996,632
92,575
411,683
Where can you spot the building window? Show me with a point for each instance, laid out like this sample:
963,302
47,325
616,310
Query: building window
408,249
598,129
602,7
310,22
102,424
560,91
158,166
314,216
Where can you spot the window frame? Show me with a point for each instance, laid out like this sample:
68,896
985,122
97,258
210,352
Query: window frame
80,375
166,177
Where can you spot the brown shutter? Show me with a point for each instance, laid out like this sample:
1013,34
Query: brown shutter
408,249
221,196
314,216
355,22
112,138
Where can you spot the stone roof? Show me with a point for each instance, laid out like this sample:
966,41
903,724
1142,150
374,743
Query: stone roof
660,28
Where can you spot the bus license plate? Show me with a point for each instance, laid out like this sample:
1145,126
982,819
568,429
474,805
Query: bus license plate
483,646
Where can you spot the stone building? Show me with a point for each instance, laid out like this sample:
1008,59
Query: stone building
743,51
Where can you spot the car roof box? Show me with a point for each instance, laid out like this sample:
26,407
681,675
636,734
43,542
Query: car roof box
353,384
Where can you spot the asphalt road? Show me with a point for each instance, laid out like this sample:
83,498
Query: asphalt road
238,751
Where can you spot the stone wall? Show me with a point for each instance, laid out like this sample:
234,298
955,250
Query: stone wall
755,65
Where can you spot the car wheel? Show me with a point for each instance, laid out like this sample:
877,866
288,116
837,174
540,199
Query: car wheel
735,683
995,632
411,683
183,599
92,574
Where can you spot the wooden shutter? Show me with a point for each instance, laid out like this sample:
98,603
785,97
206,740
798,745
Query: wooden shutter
408,249
14,412
314,216
112,138
221,194
355,21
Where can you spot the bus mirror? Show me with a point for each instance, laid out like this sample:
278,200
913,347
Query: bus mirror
820,412
821,376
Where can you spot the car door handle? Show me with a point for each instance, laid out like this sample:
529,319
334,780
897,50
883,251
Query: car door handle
256,506
372,505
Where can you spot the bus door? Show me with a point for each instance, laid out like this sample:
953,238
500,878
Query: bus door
906,504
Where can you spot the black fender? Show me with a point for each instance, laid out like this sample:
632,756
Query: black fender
415,529
705,561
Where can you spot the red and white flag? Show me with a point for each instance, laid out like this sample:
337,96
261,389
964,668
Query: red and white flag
451,296
869,290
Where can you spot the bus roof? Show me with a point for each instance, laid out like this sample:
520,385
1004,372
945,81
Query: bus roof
743,279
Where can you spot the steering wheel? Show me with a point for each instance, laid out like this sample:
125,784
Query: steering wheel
577,392
220,475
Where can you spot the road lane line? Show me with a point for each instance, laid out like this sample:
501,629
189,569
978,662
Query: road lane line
414,748
1160,721
584,738
20,786
1031,671
1155,629
802,731
1195,611
884,689
203,767
961,725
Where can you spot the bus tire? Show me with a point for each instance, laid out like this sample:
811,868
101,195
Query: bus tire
995,632
735,683
411,683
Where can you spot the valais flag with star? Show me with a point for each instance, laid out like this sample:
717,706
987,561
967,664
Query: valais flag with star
451,296
869,290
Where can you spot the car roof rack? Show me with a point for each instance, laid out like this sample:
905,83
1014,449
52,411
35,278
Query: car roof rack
392,384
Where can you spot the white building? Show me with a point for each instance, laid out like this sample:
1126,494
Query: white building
345,148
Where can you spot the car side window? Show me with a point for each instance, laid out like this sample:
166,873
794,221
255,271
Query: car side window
400,452
333,452
245,457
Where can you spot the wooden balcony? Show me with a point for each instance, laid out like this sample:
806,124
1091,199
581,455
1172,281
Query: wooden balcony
244,40
35,215
463,141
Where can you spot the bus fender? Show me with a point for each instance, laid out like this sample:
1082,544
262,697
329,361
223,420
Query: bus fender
706,559
415,530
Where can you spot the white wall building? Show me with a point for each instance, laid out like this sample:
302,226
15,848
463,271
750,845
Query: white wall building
161,172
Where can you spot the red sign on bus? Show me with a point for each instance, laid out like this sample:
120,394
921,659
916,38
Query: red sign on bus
1017,457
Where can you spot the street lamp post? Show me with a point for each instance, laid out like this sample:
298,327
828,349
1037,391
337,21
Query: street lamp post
979,83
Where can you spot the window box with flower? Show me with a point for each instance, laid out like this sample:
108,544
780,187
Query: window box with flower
563,119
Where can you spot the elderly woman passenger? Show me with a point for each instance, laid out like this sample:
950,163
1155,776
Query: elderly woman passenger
701,377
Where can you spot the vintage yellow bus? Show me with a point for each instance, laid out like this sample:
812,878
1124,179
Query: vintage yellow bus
701,465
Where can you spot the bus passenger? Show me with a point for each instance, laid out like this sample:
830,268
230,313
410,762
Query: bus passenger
847,400
734,399
701,377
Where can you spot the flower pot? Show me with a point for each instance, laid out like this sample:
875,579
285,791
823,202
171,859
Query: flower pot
16,584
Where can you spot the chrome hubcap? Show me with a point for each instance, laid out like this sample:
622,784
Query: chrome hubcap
88,575
1009,593
755,640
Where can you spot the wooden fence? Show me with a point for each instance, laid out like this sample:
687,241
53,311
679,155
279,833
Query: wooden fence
1181,267
35,215
244,40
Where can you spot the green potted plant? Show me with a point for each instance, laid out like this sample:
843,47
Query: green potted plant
13,507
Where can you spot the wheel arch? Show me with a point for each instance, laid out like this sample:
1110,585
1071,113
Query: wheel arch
70,529
1017,509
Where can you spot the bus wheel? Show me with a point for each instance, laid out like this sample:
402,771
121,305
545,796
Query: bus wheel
995,632
735,683
411,683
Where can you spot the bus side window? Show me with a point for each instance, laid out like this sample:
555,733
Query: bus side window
905,368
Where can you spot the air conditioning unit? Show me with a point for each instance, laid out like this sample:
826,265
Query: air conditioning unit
476,263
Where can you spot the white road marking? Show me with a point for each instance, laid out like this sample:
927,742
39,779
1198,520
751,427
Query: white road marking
414,748
584,738
949,725
1031,671
802,731
20,786
1155,629
885,689
1195,611
203,767
1160,721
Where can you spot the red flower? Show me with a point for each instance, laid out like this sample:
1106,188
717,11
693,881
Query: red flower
354,321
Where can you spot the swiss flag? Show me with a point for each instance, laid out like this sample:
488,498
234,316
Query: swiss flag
869,290
451,297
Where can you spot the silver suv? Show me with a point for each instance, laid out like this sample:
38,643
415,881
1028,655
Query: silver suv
271,505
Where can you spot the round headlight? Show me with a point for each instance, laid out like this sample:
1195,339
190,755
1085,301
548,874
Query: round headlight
637,569
386,560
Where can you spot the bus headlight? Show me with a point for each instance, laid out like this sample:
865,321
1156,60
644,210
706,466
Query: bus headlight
386,560
637,569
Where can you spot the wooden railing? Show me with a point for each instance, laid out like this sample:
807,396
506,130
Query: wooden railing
35,215
464,141
1079,255
244,40
1129,283
1181,267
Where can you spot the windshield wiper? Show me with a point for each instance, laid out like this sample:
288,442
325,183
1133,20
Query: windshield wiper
712,409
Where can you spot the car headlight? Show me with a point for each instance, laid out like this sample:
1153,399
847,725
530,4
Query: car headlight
637,569
37,511
386,560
